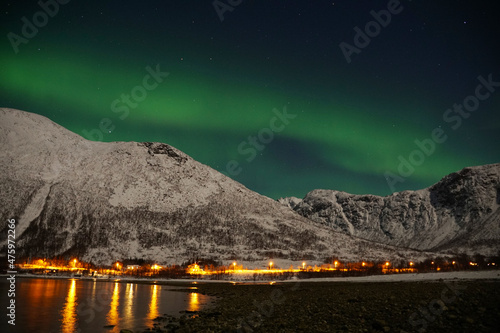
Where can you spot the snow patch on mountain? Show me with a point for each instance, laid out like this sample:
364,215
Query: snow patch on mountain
459,213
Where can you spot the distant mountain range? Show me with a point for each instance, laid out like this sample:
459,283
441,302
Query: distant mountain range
104,202
461,213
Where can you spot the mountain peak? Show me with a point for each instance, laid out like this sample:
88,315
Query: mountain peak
107,201
459,213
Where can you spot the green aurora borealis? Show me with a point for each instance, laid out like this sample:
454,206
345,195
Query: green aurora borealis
225,78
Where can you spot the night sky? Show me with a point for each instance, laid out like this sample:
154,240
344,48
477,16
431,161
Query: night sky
269,95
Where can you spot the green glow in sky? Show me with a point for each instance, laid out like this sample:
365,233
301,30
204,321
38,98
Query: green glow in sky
352,122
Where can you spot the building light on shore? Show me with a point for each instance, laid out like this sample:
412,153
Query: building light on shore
194,268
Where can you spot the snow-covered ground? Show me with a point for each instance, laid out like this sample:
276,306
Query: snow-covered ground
462,275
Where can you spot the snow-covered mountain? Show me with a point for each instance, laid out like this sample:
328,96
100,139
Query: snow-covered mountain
459,213
108,201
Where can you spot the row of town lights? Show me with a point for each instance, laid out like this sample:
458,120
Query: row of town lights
336,263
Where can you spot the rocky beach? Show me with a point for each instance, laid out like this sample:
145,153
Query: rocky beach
427,306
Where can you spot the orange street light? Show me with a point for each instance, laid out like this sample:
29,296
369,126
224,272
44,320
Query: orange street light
363,264
387,263
234,266
304,265
270,265
411,263
336,263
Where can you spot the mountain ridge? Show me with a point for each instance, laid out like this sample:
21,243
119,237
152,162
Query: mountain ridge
107,201
459,213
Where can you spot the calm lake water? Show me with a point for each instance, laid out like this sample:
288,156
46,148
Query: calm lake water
74,305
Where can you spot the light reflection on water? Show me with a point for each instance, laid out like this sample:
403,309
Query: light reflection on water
69,318
72,305
93,297
113,316
153,304
194,303
129,301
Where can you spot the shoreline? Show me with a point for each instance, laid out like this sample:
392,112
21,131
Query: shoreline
432,306
402,277
434,302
